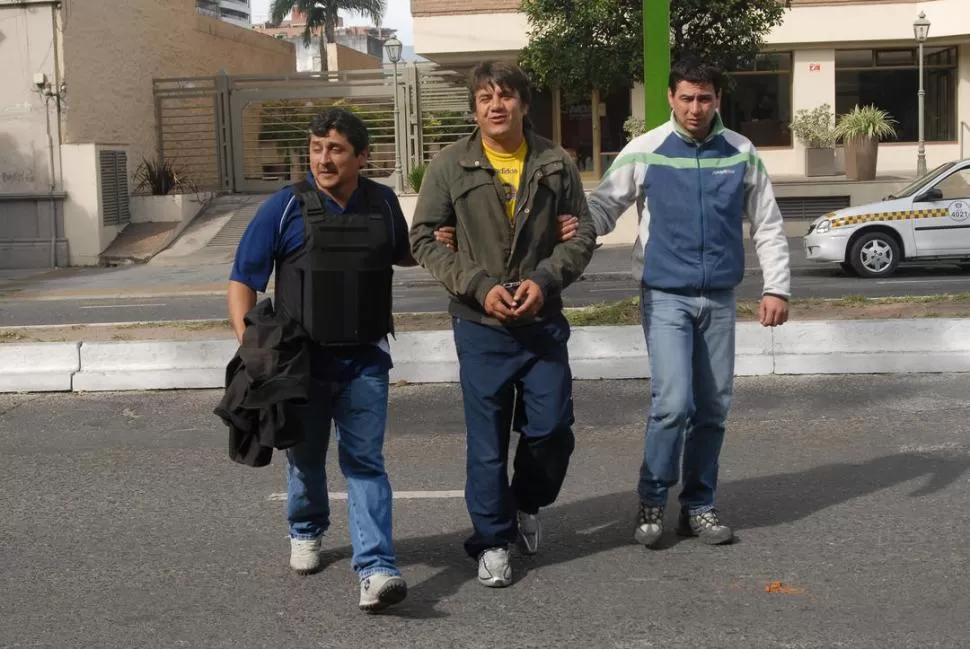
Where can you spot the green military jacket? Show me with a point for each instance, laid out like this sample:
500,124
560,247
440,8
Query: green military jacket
462,189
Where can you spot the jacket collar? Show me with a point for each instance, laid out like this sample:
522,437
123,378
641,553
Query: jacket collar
473,153
717,127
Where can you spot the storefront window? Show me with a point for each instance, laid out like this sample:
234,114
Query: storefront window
757,104
889,79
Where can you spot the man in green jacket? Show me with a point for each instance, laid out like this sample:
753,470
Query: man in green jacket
504,188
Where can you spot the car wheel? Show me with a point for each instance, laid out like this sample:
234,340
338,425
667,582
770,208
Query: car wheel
875,254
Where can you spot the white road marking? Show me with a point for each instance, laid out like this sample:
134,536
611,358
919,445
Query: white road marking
398,495
596,528
121,306
952,280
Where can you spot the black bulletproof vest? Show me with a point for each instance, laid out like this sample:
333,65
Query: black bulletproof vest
338,283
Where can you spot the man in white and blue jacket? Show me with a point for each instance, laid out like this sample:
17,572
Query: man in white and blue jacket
694,182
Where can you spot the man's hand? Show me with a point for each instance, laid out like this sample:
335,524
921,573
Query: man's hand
568,225
499,303
773,311
529,299
445,235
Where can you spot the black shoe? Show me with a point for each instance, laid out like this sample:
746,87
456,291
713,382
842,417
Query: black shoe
705,526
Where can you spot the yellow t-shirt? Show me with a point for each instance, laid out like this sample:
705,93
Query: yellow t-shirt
509,168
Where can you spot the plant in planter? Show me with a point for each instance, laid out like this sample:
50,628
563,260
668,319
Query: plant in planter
816,130
159,178
634,127
415,176
860,130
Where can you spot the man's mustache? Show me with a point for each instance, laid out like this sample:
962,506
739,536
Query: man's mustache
330,169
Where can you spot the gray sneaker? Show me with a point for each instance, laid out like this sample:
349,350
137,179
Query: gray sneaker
494,569
650,525
706,526
379,591
530,532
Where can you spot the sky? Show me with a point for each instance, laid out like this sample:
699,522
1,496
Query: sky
398,16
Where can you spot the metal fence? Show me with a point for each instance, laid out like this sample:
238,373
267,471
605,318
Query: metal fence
248,133
189,118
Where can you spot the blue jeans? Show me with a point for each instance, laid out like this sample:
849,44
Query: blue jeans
495,363
690,340
358,407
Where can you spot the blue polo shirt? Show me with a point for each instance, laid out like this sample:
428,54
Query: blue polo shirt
277,230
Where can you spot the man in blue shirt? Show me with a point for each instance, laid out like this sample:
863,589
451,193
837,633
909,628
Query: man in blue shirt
349,383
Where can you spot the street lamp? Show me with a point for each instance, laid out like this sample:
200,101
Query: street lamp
393,48
921,29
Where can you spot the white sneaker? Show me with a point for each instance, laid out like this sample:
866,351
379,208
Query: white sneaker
530,532
305,555
379,591
494,569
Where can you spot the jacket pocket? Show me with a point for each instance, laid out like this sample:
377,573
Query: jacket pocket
468,183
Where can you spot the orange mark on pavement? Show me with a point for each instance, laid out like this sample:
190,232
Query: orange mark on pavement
782,588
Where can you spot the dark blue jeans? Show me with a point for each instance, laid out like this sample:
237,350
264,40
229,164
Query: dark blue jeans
494,361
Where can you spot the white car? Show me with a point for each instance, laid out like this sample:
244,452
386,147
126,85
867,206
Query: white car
929,220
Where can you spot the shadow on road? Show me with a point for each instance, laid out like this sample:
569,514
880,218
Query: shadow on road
588,527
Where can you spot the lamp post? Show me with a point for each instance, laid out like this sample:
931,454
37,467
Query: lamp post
921,28
393,48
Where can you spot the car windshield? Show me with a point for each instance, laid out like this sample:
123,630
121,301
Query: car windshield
911,188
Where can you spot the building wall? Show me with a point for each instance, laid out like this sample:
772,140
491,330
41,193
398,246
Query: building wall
31,217
340,57
420,8
25,47
446,32
110,85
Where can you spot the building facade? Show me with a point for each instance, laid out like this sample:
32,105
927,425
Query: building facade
236,12
78,113
836,52
356,47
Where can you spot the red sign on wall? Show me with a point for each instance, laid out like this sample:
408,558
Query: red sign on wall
814,67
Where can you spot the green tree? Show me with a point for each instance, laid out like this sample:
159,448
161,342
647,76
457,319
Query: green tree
324,14
582,45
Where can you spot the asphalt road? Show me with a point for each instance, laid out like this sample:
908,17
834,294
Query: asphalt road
425,297
197,292
124,524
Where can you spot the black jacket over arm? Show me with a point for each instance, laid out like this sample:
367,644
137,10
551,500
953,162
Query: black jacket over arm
269,373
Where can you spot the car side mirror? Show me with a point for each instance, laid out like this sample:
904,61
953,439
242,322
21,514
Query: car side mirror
930,196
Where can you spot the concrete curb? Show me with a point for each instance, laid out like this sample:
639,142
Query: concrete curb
38,367
819,347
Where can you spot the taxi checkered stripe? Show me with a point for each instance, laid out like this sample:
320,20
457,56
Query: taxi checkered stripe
904,215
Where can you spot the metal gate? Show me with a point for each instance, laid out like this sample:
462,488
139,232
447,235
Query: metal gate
248,133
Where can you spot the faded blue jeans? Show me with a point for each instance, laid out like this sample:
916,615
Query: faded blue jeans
690,340
358,407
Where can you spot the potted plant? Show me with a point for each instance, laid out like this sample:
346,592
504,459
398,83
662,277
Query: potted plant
634,127
860,130
816,130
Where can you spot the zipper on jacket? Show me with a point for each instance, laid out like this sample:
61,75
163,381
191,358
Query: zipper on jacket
700,205
520,208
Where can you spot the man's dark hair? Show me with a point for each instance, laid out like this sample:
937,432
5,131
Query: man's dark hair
344,122
505,75
695,70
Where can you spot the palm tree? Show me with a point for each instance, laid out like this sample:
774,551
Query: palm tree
323,13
